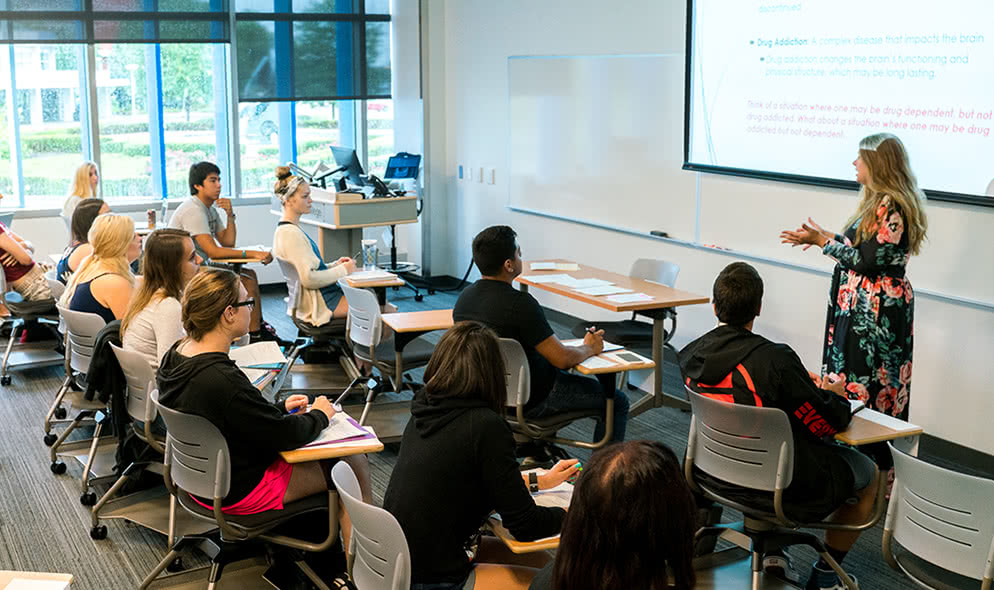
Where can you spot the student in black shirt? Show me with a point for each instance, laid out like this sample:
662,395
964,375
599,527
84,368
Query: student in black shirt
511,313
733,364
457,465
197,376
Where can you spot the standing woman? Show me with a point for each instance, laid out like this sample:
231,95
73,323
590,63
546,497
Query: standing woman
869,330
79,229
322,299
84,186
103,283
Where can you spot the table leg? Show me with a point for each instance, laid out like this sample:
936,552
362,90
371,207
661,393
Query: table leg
381,295
657,398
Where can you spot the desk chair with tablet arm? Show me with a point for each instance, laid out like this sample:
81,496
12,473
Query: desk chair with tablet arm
198,462
378,555
365,330
943,522
544,430
22,314
752,448
331,336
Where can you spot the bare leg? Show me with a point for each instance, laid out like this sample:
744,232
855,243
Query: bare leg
852,513
251,283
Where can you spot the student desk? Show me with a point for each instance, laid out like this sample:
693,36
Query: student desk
378,285
333,450
409,325
662,298
36,578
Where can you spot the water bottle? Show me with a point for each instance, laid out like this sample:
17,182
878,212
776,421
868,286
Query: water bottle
165,209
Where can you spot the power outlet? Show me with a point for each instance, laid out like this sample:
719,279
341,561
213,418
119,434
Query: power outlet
491,175
479,174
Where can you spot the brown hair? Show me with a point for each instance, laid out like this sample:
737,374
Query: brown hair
209,293
891,177
467,363
82,218
162,271
644,512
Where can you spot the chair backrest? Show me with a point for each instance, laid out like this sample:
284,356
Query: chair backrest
83,328
292,281
196,452
740,444
516,371
657,271
942,516
139,375
365,327
54,284
382,558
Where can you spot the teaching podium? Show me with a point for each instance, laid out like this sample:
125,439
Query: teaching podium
340,218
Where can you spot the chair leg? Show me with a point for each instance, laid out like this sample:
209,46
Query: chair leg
15,333
757,566
54,451
107,497
370,396
216,568
311,575
152,575
171,533
85,479
57,402
847,580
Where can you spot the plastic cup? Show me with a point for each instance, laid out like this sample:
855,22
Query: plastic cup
369,254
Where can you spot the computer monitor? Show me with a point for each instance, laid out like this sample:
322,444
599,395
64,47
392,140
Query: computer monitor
402,166
346,159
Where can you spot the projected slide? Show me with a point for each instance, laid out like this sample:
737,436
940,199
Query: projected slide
790,86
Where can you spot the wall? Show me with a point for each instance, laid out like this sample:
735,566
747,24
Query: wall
469,108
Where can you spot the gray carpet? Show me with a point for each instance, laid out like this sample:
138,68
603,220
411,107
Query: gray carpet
43,527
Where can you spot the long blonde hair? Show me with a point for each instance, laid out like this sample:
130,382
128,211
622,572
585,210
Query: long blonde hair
110,235
81,181
890,175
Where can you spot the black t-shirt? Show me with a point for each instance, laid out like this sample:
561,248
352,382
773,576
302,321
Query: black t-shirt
512,314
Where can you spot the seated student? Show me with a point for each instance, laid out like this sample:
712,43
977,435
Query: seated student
21,272
641,546
322,299
103,283
84,186
731,361
79,248
198,216
154,321
494,301
456,466
198,377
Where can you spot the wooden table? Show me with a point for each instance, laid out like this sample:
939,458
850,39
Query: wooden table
662,297
334,450
409,325
616,367
7,576
378,285
517,546
870,426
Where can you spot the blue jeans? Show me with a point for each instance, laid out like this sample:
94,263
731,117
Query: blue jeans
575,392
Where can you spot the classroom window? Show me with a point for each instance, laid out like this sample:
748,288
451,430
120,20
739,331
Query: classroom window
379,134
259,136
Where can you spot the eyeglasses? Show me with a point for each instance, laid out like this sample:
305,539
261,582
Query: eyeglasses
249,303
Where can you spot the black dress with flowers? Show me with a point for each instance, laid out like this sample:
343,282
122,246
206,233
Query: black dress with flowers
870,326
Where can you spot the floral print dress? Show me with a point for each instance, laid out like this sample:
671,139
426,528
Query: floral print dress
870,326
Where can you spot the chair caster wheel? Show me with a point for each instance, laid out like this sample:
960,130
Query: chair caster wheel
5,380
50,439
98,532
88,499
419,297
60,413
58,468
175,565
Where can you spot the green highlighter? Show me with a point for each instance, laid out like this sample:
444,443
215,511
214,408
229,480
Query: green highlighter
579,469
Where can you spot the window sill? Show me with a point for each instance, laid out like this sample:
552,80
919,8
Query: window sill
133,206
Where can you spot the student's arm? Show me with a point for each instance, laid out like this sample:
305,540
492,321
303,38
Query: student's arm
28,246
215,252
502,480
113,291
566,357
77,256
879,252
251,418
294,247
167,325
820,411
227,236
13,251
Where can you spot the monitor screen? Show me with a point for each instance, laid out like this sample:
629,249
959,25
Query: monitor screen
402,165
346,157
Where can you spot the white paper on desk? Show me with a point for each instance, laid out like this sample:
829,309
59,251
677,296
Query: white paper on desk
620,361
29,584
339,428
567,266
254,375
603,290
608,346
547,278
596,362
588,283
369,275
886,420
543,266
259,353
257,247
856,405
629,298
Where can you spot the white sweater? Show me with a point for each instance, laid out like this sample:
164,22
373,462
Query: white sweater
155,329
291,244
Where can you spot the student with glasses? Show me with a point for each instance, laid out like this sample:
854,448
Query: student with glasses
197,376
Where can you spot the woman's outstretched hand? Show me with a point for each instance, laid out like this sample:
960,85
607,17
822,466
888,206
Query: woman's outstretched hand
559,473
809,234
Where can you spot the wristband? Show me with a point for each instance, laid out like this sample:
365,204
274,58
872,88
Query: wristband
533,482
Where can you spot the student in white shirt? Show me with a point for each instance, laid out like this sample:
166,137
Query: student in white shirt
154,321
321,299
84,186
